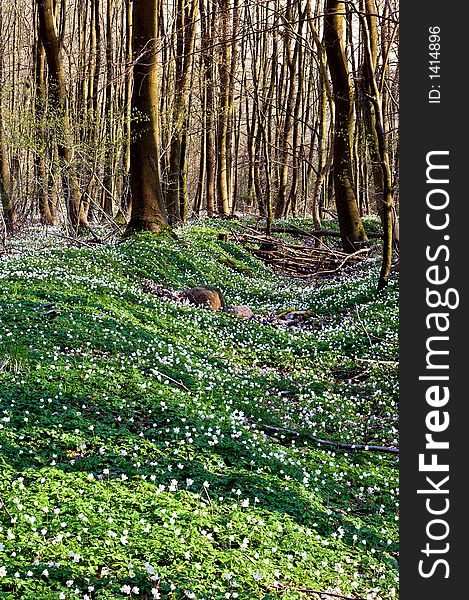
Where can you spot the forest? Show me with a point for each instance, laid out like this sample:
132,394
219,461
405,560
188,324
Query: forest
199,263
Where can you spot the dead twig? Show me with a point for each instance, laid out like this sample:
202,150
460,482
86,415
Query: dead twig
3,505
179,383
363,326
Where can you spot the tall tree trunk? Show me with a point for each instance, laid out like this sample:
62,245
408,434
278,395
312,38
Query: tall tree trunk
325,99
223,189
50,40
380,149
208,17
199,196
47,210
281,208
185,35
6,190
350,223
126,200
148,210
109,116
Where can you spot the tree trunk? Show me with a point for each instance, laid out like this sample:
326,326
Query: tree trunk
208,81
9,211
109,174
223,179
282,205
380,149
125,200
185,35
350,223
47,209
148,210
6,191
50,40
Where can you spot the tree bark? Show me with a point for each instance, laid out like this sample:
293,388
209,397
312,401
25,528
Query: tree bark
185,33
223,190
47,210
6,191
148,209
350,223
75,209
380,150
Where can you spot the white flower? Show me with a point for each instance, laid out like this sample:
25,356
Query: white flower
125,589
338,568
135,590
3,572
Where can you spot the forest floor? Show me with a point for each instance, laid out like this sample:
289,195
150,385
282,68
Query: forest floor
142,440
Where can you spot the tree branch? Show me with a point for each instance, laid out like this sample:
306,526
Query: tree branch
341,445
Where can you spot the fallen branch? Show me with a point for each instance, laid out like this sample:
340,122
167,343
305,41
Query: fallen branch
296,260
317,232
378,362
341,445
346,259
71,240
319,593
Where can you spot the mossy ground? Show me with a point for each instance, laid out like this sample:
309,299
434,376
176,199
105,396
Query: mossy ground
131,464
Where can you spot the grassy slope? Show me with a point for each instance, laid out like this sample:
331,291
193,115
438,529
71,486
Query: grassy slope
126,453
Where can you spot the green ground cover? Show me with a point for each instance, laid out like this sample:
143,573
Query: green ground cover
133,456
